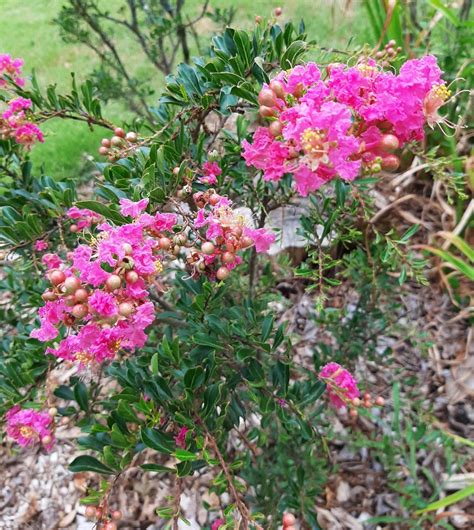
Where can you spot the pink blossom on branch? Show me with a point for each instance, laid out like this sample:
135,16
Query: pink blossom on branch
340,384
28,427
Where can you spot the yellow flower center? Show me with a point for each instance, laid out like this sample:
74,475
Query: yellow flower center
158,267
84,357
27,432
312,142
441,91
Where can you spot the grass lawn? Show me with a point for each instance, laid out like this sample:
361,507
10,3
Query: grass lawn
29,32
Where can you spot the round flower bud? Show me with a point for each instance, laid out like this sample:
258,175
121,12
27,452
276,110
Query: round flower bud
278,11
113,282
376,168
237,231
56,277
267,97
69,301
356,402
353,413
180,239
275,128
105,142
246,242
208,248
390,163
165,243
112,158
81,295
228,257
49,296
391,43
291,527
71,284
266,112
116,515
110,526
176,171
46,440
125,309
127,248
131,277
379,401
299,90
389,142
131,137
222,273
53,411
73,228
116,141
90,512
278,88
214,199
118,131
258,19
80,311
288,519
103,150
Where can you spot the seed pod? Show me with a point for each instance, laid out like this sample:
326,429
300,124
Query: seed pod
80,311
266,112
278,88
267,97
222,273
56,277
131,277
125,309
71,284
118,131
390,163
208,248
113,282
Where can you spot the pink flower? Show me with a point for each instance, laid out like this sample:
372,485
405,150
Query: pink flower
133,209
40,245
84,218
262,238
16,106
52,261
29,426
103,304
180,438
50,315
341,386
27,134
11,68
217,524
267,154
211,171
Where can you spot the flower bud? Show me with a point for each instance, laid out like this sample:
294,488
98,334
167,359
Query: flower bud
113,282
389,142
379,401
208,248
125,309
228,257
165,243
49,296
116,515
214,199
46,440
353,413
127,248
110,526
258,19
53,411
131,137
73,228
288,519
267,97
69,301
56,277
105,142
80,311
131,277
246,242
81,295
180,239
278,88
390,163
222,273
71,284
103,151
278,11
118,131
176,171
266,112
275,128
116,141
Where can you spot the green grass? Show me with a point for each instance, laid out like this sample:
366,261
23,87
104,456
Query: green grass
28,31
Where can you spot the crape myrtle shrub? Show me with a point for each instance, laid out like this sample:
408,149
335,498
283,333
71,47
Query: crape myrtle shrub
157,289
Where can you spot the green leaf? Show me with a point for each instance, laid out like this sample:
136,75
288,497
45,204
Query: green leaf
267,327
184,456
81,396
89,463
157,468
450,499
158,441
104,210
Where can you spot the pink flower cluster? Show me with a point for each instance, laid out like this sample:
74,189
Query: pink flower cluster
341,385
99,295
83,218
210,170
343,121
15,123
11,68
28,426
